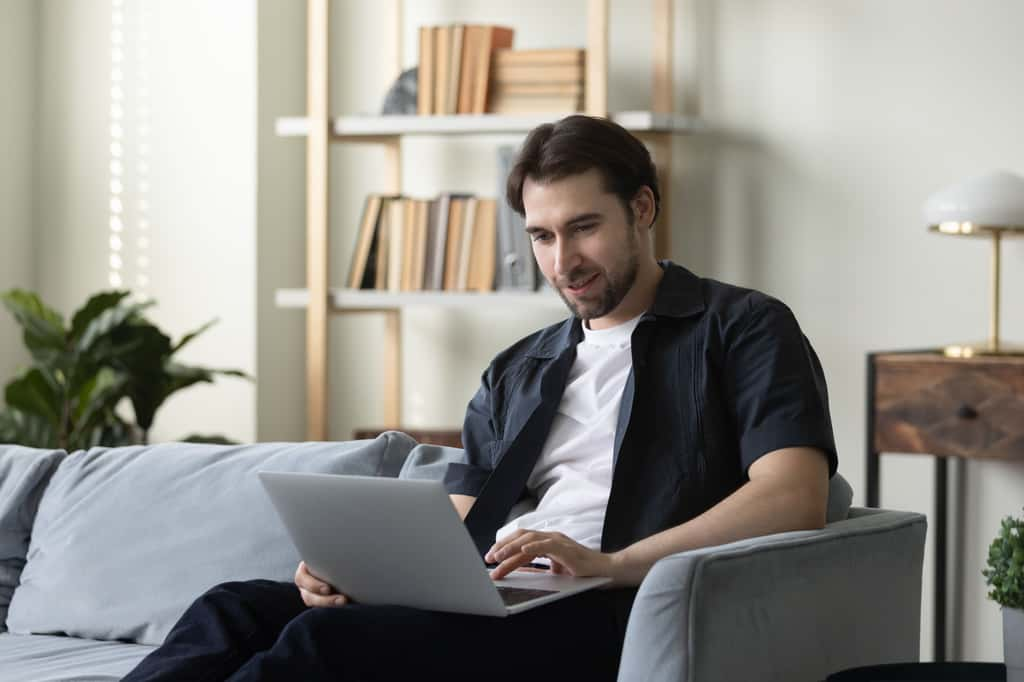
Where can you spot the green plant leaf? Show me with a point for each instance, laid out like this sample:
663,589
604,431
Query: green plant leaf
96,404
191,335
93,308
26,429
108,322
211,439
34,394
1005,570
43,327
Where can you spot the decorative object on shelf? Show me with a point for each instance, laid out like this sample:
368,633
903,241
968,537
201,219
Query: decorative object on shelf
68,398
990,205
1005,575
400,99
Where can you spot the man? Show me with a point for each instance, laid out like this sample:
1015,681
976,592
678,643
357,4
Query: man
669,412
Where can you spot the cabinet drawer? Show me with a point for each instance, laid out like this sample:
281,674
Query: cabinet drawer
952,407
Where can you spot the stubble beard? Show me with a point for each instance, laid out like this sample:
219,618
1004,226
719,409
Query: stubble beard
617,284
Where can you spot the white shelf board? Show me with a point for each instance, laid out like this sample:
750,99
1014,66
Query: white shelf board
476,124
354,299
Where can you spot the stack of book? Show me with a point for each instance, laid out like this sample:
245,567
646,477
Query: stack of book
537,81
455,67
443,244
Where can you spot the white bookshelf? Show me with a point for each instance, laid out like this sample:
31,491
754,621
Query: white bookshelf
478,124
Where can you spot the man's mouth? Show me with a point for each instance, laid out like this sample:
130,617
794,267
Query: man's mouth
581,286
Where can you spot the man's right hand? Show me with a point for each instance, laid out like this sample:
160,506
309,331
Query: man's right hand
316,592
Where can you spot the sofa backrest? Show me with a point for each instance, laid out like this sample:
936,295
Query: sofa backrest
126,538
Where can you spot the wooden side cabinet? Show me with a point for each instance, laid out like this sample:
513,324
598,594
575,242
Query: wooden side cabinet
921,402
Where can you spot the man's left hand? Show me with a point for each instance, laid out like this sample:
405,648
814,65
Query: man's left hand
567,556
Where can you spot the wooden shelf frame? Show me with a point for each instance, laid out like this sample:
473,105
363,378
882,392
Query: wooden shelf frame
656,127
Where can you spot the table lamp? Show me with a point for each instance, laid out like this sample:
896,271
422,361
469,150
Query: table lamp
990,206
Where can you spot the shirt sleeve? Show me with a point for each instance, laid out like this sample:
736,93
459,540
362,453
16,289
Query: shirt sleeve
777,387
468,478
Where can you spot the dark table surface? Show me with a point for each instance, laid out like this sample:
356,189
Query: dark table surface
932,672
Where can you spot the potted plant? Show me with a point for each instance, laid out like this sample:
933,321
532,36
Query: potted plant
73,395
1005,575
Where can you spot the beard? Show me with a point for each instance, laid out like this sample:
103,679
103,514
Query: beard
617,283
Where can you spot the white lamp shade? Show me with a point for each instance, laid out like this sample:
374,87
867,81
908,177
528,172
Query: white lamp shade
992,200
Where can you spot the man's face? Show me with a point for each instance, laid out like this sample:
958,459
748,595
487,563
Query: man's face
584,241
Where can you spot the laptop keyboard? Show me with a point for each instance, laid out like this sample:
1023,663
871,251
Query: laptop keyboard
517,595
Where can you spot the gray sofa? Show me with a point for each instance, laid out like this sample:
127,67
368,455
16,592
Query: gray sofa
102,550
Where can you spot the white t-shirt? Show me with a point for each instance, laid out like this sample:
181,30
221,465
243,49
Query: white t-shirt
573,475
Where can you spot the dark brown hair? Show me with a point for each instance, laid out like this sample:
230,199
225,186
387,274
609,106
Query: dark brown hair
575,145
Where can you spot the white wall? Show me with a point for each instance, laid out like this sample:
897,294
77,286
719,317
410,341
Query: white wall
192,63
17,163
832,122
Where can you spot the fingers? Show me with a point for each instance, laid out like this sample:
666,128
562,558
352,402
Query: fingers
513,544
510,564
331,601
316,592
490,557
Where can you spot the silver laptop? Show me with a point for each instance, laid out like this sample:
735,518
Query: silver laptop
392,541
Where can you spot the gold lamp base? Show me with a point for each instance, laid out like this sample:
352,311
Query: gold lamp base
982,349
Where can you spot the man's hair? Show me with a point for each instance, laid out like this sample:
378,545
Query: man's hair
577,144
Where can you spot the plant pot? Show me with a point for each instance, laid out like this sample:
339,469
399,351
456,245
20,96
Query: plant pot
1013,644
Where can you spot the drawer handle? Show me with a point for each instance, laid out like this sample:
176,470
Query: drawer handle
967,412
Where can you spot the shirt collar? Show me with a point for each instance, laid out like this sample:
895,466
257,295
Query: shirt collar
679,294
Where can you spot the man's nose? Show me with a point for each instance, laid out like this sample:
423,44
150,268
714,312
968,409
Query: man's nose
566,257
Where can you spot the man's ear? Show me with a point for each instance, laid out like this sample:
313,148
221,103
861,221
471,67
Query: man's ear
643,206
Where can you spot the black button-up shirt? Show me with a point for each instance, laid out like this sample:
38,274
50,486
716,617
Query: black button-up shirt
721,376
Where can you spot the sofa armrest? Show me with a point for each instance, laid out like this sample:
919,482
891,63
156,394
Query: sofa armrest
788,607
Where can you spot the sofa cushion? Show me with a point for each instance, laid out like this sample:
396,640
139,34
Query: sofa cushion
126,538
42,658
23,476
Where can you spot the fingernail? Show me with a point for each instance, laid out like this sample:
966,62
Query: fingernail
340,601
323,590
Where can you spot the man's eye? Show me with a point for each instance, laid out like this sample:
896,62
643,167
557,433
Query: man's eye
540,236
586,227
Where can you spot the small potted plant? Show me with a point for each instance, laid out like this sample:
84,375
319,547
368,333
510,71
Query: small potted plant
1005,575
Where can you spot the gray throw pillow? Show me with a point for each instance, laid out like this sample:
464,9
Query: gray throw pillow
840,497
23,476
126,538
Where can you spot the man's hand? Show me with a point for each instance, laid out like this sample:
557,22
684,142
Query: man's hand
316,592
567,556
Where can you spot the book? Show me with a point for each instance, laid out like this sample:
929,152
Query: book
419,244
364,240
467,76
571,73
396,244
529,104
408,264
484,248
490,39
453,248
380,279
457,33
538,89
442,67
425,73
560,56
516,269
430,245
465,247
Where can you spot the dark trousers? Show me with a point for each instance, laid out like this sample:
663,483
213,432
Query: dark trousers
261,630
